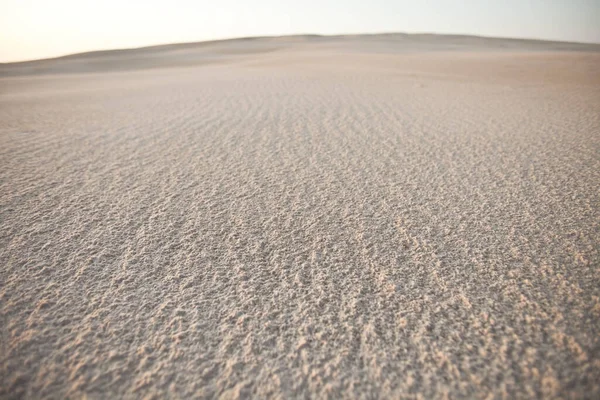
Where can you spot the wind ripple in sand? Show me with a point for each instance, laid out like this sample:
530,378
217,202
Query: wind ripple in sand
406,226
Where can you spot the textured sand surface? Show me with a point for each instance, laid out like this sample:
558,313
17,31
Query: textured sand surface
381,216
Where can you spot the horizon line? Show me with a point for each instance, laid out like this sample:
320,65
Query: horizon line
291,35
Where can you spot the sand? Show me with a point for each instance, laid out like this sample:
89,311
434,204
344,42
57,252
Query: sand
386,216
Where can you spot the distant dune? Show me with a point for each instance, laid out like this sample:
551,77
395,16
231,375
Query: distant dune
372,216
237,50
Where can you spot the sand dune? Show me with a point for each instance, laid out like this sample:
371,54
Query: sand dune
372,216
232,50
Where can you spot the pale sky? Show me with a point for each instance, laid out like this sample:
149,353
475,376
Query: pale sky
31,29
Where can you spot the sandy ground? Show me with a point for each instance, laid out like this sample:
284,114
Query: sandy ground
384,216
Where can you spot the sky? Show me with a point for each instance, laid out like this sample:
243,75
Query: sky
33,29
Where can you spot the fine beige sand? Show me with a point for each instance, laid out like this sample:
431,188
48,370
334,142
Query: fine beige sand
385,216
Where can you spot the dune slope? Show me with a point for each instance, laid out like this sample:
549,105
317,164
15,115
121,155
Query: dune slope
386,216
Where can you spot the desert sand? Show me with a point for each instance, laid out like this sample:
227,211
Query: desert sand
384,216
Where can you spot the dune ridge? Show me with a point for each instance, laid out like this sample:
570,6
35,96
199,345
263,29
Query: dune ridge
201,53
